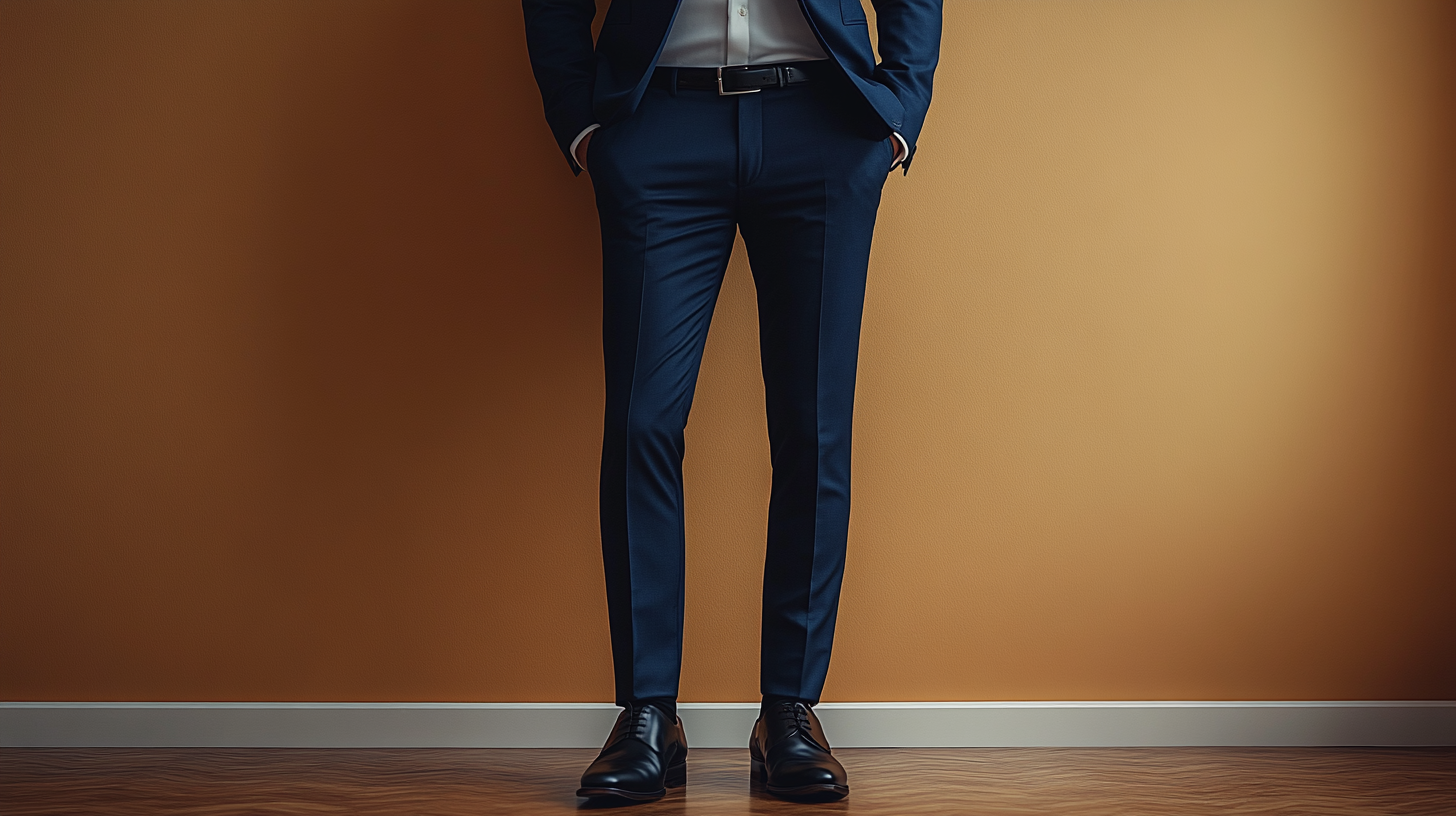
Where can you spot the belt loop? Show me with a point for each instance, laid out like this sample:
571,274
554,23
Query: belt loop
782,74
672,82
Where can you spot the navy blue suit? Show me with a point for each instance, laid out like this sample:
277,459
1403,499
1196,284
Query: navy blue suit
797,170
582,84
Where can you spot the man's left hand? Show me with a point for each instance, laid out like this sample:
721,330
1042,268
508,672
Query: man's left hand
902,152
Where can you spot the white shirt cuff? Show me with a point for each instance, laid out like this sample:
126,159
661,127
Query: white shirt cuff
575,143
904,149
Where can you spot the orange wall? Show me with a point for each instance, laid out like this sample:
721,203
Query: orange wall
301,373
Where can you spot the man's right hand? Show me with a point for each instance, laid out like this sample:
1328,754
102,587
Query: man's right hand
581,149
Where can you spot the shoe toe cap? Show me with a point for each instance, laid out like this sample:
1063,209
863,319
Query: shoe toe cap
634,779
804,774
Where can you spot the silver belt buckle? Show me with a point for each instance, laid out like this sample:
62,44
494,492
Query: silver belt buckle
722,92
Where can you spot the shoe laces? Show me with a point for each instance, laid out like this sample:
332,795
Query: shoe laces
797,712
636,723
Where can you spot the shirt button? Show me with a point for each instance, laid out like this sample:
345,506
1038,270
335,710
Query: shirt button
742,12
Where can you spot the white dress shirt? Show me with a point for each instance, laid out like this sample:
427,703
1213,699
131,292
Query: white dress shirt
717,33
713,33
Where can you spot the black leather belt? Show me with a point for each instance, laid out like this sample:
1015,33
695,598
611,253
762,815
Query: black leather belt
736,79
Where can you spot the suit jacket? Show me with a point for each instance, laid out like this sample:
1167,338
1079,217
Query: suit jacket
582,84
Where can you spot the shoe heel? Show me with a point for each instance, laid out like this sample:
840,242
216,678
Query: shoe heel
759,772
676,776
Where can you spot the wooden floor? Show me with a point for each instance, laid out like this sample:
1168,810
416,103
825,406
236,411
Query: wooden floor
985,782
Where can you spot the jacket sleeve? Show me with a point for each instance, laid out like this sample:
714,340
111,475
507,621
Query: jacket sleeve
559,40
909,32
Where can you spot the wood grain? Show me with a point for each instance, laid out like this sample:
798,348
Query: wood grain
986,782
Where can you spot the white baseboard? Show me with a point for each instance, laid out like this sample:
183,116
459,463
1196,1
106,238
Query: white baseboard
726,725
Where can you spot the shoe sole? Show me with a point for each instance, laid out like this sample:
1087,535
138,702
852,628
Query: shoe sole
676,777
811,793
618,793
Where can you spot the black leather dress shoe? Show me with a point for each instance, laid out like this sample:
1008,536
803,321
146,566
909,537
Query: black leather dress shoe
791,755
645,755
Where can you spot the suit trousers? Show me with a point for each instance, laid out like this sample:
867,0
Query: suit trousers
798,172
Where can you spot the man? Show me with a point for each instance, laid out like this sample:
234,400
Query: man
697,120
